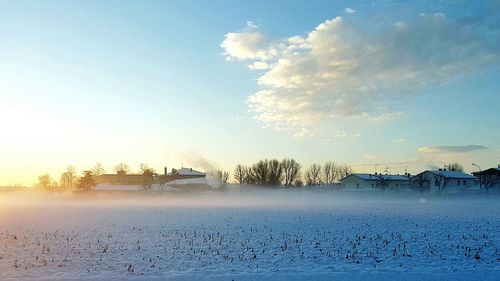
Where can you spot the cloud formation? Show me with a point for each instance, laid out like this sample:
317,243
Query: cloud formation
450,149
349,11
344,70
399,140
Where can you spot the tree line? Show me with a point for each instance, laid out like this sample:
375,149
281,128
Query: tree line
70,179
287,172
269,172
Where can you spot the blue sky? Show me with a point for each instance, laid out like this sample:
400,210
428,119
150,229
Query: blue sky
168,83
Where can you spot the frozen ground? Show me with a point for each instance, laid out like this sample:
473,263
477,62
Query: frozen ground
277,236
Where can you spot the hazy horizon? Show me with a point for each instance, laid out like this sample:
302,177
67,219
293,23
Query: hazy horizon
389,84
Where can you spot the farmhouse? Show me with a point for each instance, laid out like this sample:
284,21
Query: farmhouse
489,178
441,180
363,180
122,178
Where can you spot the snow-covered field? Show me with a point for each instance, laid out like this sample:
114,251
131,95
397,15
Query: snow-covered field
273,235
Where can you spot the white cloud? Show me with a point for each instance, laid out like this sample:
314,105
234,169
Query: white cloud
346,135
384,117
349,11
258,65
399,140
245,45
341,70
372,157
302,133
450,149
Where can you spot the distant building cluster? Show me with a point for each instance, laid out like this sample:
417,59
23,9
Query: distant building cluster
188,178
426,181
430,180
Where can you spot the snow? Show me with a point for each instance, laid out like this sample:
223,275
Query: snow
249,236
453,174
377,177
189,172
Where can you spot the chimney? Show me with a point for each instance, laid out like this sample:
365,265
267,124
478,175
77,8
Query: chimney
165,170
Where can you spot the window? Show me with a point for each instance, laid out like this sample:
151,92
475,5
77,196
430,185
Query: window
458,182
465,182
357,185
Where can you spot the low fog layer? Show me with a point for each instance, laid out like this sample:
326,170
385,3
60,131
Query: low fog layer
250,234
244,198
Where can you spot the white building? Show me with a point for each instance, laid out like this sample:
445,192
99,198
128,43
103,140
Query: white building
363,180
442,180
187,172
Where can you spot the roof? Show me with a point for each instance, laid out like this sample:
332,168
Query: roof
121,175
451,174
189,172
364,176
395,177
372,177
490,171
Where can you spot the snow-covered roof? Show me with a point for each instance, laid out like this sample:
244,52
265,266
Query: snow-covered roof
490,171
452,174
394,177
366,176
189,172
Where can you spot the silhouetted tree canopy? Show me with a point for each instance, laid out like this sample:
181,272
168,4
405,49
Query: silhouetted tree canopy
122,168
291,171
86,182
313,175
455,167
97,170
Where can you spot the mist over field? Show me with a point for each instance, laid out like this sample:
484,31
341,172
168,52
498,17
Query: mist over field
241,196
249,140
248,235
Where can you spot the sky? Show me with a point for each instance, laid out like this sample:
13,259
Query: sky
381,86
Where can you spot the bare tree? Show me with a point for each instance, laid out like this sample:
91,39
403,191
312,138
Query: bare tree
97,170
45,182
313,175
68,178
260,172
145,169
86,182
239,174
298,183
455,167
342,172
328,173
291,171
122,168
275,174
267,172
223,176
250,177
220,175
